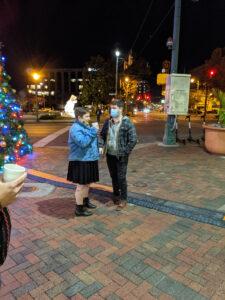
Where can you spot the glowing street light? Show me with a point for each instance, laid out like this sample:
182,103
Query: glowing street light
117,52
36,76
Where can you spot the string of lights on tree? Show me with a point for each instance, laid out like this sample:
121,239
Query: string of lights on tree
14,141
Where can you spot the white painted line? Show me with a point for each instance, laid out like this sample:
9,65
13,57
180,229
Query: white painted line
59,147
222,208
43,142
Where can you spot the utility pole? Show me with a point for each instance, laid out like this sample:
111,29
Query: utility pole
117,53
37,119
170,133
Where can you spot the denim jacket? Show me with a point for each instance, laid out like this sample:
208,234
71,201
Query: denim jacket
83,142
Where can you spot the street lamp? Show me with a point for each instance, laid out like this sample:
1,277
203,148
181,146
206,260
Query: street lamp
117,53
36,77
126,91
193,80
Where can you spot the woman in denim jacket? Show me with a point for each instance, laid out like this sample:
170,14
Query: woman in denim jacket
83,159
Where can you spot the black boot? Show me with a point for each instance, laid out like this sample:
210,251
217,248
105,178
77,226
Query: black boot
88,204
81,212
116,199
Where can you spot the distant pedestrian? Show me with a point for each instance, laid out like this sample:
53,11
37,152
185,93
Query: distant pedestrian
98,114
118,137
83,159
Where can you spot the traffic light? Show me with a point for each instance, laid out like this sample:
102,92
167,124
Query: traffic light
212,73
148,97
139,97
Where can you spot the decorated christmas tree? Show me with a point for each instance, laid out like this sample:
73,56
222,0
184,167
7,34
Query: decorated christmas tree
14,141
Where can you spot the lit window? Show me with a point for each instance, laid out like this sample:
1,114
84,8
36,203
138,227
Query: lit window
52,93
80,87
52,79
73,80
80,79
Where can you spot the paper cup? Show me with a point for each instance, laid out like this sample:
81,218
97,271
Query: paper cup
12,172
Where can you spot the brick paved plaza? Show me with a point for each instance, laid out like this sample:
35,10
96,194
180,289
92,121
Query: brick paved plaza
139,253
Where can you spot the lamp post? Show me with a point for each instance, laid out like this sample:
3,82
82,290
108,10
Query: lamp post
117,53
193,80
36,77
170,134
126,91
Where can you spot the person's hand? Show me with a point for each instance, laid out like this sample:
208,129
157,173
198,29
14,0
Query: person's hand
9,190
96,126
101,151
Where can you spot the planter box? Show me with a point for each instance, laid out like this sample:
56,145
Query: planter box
214,139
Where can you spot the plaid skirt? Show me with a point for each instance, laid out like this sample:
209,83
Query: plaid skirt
83,172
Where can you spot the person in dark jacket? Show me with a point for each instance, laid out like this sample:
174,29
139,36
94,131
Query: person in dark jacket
83,159
118,138
98,114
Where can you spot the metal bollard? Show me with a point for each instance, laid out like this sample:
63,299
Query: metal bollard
203,123
190,139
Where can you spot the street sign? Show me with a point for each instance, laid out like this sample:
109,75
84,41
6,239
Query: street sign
161,78
177,94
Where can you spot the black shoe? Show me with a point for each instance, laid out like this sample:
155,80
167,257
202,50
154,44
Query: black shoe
88,204
81,212
116,199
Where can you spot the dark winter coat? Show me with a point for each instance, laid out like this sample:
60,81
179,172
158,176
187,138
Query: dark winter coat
126,137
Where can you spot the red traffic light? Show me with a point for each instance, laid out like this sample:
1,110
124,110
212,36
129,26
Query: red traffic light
148,97
212,73
139,97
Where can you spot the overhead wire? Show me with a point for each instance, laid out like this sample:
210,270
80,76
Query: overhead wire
156,30
142,24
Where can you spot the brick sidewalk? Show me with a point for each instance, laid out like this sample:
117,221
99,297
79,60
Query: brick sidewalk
138,253
134,254
186,174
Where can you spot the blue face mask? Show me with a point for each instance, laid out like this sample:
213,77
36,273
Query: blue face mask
114,113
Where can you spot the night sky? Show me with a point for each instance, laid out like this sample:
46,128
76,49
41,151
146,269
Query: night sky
66,33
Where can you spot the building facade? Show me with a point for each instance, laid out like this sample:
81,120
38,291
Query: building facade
55,86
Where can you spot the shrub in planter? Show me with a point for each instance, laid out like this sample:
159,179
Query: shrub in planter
220,95
48,117
215,133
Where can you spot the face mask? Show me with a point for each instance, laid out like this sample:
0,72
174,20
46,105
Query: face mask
114,113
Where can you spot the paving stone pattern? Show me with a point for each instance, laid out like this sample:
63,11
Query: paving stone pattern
186,174
134,254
